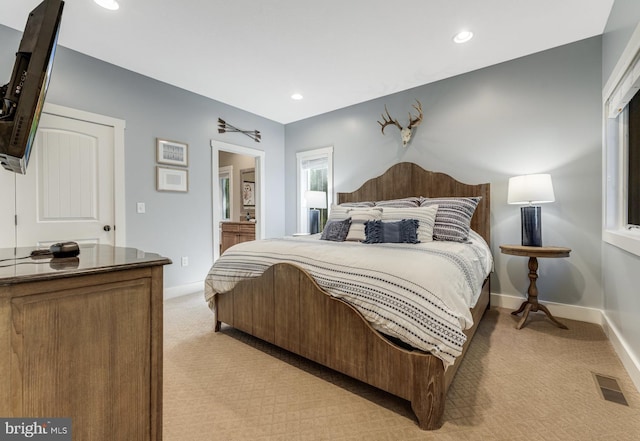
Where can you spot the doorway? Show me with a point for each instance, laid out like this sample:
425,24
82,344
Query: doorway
247,159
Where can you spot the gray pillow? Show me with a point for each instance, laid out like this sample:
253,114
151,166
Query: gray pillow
411,202
403,231
453,219
336,230
426,217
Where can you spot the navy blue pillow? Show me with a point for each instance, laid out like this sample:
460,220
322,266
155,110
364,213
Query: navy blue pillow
336,230
403,231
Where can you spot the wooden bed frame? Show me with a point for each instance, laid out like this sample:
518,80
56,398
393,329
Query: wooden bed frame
287,308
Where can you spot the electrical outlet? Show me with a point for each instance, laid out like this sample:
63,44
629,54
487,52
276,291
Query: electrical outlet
185,261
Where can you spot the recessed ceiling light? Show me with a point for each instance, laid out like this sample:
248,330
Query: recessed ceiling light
463,36
296,96
111,5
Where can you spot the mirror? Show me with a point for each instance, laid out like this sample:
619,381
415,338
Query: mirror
248,193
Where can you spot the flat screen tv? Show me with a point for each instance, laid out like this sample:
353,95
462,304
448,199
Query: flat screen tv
23,96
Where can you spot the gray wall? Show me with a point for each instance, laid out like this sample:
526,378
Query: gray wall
175,224
623,20
540,113
620,268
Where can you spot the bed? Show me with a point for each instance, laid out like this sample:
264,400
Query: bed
285,305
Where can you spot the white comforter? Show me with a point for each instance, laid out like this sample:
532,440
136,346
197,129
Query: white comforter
419,293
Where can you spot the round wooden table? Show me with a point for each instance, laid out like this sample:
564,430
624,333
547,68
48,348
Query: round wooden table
531,304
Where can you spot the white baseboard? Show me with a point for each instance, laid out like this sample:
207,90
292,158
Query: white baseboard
183,290
572,312
628,359
583,314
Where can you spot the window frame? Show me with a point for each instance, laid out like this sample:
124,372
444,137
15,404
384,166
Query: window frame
615,230
302,215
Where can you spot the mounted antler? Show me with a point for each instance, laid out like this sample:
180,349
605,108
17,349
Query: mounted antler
406,131
388,121
415,122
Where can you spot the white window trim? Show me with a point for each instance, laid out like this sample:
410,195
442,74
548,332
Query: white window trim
614,156
324,152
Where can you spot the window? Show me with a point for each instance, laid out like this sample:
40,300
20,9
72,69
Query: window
315,173
621,105
633,164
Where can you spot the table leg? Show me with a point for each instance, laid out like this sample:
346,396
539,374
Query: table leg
527,309
531,304
552,318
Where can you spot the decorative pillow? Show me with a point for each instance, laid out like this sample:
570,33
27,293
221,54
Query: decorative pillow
358,204
336,230
358,218
400,203
426,217
453,219
338,213
403,231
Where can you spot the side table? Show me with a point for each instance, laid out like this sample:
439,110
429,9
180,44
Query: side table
531,304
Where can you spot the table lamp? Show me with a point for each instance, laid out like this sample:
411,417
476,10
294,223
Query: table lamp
531,189
315,201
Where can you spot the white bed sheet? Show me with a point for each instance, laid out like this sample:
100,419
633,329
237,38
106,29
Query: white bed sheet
419,293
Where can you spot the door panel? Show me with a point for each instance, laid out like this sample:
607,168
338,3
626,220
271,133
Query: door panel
7,206
67,193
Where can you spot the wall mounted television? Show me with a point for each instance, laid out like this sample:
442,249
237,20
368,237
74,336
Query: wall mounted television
23,96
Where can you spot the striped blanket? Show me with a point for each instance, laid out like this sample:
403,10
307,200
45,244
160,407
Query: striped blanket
418,293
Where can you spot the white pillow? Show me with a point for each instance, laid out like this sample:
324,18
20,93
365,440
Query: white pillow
358,218
426,217
337,212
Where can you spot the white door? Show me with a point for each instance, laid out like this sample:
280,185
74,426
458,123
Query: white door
68,191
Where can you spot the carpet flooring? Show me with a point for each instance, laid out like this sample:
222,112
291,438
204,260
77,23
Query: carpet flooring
537,383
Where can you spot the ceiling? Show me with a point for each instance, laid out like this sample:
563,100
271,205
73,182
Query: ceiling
254,54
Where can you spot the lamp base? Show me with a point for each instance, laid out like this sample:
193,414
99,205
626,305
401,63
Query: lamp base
314,221
531,219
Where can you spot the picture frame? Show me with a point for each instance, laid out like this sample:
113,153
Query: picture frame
248,194
172,179
172,152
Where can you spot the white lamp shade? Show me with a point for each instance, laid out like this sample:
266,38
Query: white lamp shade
530,189
316,199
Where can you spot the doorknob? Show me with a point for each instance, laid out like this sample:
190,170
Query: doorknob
106,228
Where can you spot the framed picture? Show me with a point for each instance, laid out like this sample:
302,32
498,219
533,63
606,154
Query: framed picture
172,179
248,194
172,152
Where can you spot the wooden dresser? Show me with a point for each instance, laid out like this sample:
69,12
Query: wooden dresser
236,232
81,338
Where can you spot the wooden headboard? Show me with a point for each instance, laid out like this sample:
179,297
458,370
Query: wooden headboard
407,179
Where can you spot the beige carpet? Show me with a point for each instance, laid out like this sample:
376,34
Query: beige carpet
536,383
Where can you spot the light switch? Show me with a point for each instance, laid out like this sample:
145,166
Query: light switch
140,208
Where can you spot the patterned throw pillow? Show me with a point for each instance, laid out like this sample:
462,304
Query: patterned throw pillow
453,219
337,212
365,204
336,230
426,217
411,202
404,231
358,218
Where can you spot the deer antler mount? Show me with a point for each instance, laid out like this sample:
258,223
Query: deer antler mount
405,132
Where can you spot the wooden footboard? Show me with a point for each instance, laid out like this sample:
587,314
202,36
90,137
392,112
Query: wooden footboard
287,308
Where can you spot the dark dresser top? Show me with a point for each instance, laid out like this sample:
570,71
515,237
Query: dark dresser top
17,265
